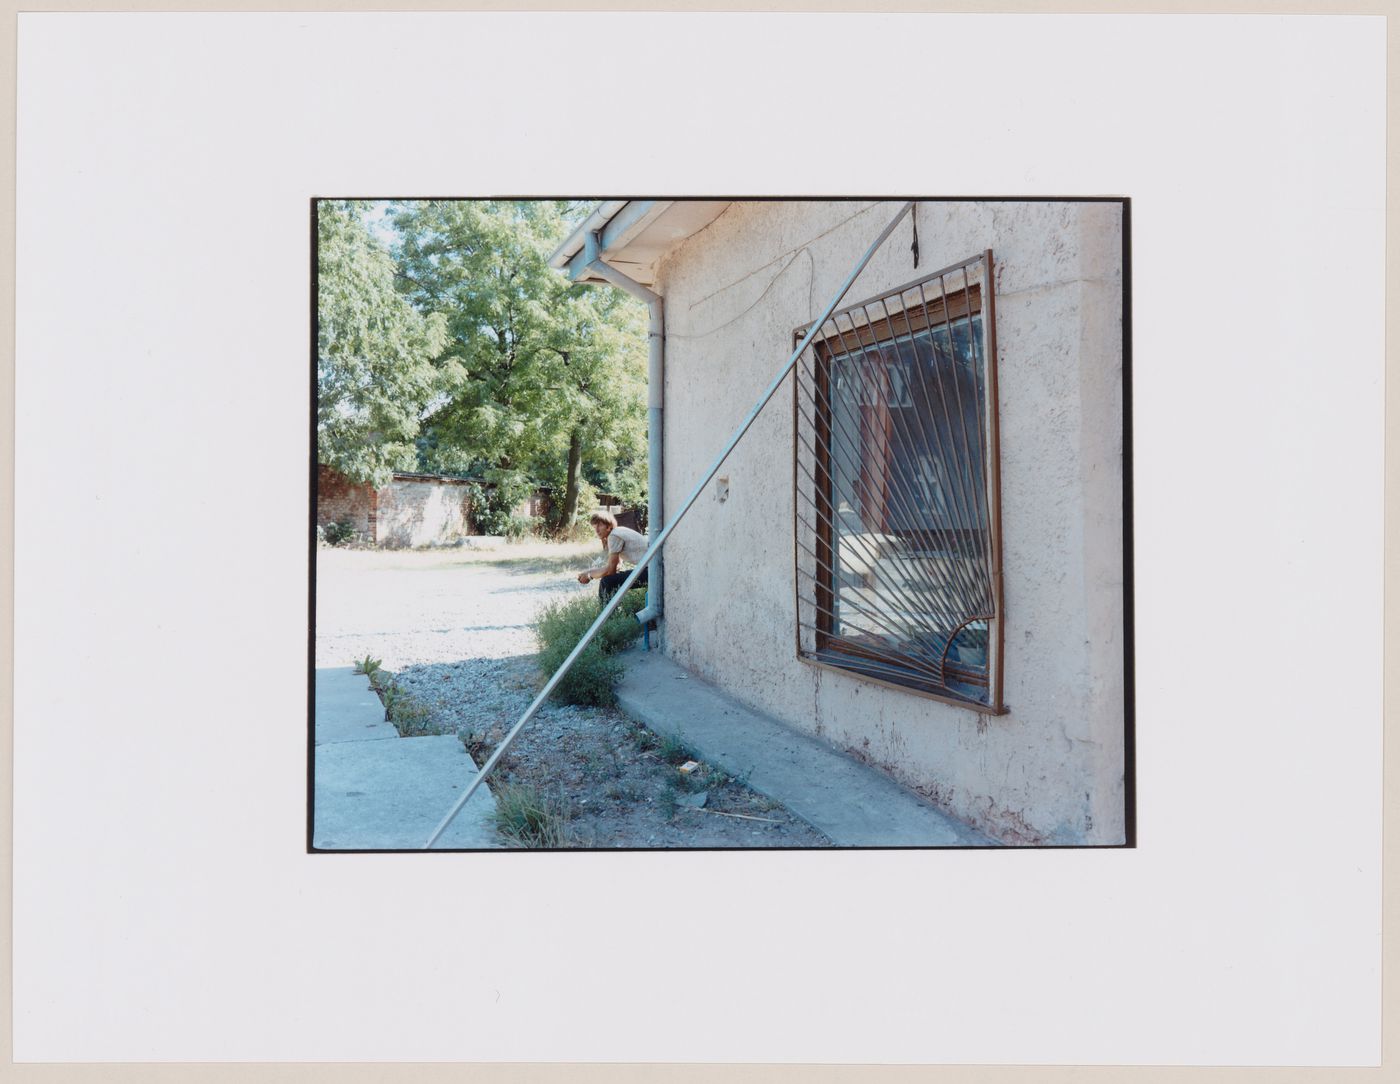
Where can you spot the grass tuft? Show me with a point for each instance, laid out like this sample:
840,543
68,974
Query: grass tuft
526,818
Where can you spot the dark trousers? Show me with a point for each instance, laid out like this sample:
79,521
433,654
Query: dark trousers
608,585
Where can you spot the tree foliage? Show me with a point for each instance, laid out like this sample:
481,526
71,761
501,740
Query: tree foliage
540,377
375,353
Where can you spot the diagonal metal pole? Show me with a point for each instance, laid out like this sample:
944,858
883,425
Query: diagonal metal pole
660,539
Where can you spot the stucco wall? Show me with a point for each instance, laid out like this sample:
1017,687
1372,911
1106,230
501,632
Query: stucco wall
1051,769
426,513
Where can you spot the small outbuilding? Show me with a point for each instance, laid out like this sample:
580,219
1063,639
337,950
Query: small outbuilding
411,510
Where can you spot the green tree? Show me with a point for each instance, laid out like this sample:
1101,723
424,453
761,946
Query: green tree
547,377
597,404
374,354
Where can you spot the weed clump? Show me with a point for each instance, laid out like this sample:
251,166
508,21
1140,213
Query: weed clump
333,534
526,818
596,672
674,751
410,716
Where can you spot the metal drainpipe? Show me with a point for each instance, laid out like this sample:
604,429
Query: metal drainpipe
655,376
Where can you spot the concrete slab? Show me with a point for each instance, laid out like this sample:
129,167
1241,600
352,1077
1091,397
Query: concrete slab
853,804
390,795
377,791
347,709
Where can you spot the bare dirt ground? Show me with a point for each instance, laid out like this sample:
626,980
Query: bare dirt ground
453,626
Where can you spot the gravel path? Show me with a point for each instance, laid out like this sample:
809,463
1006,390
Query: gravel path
454,628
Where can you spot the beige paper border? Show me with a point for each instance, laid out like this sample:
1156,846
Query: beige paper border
682,1074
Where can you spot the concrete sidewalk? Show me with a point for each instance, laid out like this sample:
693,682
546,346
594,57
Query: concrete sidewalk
377,791
853,804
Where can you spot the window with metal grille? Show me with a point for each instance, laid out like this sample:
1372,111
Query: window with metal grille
898,546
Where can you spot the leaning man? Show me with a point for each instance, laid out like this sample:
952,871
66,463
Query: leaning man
619,544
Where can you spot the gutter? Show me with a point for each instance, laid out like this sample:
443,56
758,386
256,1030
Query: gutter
589,226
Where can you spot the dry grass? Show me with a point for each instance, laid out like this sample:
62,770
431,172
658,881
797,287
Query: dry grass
527,818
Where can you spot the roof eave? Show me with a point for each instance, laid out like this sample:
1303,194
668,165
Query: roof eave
616,222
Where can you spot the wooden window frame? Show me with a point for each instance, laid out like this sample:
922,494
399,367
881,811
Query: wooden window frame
972,300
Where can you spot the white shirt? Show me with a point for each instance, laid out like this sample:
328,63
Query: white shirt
627,542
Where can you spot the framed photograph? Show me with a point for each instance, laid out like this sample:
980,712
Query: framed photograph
899,617
1007,693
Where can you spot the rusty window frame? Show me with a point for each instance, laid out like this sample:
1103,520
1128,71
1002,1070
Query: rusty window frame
953,566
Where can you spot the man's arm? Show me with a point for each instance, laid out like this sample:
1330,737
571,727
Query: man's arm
607,569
